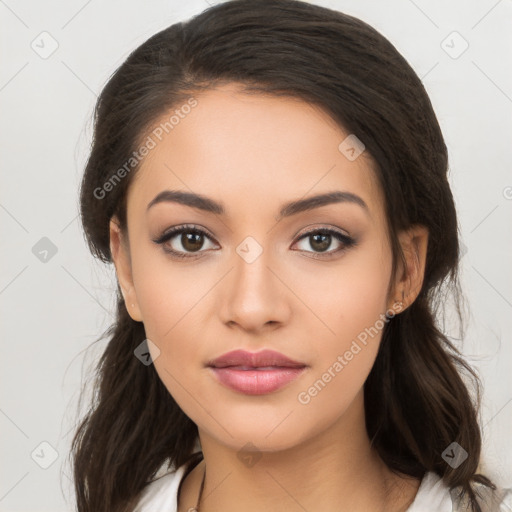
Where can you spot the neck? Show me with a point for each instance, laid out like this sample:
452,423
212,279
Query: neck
336,470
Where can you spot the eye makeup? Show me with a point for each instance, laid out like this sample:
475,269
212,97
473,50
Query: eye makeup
190,235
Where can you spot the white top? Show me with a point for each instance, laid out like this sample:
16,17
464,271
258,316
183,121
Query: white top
162,494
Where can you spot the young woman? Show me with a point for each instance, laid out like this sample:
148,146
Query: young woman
270,181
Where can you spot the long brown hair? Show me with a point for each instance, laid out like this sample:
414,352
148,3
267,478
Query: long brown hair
416,401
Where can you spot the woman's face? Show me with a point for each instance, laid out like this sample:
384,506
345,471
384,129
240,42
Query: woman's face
253,281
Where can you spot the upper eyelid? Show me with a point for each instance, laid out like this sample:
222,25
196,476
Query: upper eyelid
176,230
327,229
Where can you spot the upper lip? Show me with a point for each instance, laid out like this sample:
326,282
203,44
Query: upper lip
254,359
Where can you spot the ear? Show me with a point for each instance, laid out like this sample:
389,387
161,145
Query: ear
414,243
120,251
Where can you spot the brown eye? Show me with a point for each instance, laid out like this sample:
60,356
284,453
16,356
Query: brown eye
183,241
192,241
320,240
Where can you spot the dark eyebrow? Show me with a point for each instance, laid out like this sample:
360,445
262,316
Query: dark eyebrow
188,199
309,203
209,205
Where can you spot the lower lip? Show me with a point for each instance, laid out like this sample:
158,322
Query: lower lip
256,382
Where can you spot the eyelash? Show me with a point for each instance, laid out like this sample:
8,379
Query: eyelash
347,241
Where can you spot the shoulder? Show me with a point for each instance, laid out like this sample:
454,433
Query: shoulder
161,493
434,494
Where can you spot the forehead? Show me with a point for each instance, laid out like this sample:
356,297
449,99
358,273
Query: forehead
252,150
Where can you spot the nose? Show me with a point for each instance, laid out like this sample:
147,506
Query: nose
254,297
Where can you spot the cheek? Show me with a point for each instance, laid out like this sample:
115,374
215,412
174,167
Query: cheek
351,304
169,297
171,300
347,298
166,291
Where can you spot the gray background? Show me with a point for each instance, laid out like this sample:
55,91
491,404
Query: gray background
55,304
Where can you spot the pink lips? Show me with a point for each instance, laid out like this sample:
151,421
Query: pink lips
255,373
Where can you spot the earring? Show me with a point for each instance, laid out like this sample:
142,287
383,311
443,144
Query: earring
401,303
